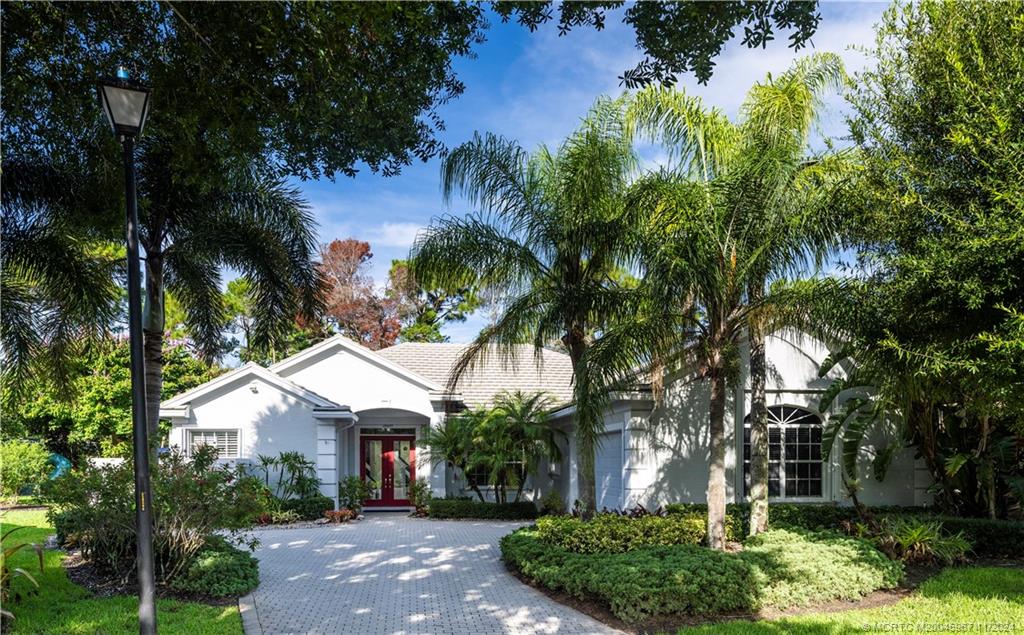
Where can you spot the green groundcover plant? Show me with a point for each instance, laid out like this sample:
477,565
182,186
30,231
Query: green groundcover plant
779,569
220,570
988,538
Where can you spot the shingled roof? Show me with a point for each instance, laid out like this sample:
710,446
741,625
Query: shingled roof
491,375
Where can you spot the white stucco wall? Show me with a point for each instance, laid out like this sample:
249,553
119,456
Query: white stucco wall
269,420
666,451
359,382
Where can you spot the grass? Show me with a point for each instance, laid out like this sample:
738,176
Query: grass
62,607
983,597
21,499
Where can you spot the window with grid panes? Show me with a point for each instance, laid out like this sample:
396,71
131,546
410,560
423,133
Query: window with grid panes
794,453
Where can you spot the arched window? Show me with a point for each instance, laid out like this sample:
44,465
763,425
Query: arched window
794,453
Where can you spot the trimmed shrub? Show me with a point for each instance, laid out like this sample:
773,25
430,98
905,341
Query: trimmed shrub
309,508
779,569
22,463
990,538
220,570
611,533
445,508
801,567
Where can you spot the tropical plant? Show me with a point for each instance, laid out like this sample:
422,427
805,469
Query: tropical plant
352,491
56,276
505,443
8,573
297,478
550,230
741,207
938,335
420,495
448,443
513,439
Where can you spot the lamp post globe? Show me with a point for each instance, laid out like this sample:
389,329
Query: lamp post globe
125,104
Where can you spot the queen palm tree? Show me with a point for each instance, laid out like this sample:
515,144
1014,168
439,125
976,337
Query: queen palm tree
550,232
741,207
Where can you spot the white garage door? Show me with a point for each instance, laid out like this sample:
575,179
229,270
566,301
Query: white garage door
608,470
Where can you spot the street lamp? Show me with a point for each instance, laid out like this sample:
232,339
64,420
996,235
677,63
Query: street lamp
126,103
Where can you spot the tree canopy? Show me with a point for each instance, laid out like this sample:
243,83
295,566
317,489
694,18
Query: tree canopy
678,37
937,326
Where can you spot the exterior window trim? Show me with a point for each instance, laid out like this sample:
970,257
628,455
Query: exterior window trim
190,444
781,496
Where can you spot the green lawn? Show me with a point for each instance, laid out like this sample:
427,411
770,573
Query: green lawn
984,597
63,607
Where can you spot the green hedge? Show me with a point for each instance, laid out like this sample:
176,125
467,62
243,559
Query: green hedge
220,570
464,508
779,569
310,508
609,533
990,538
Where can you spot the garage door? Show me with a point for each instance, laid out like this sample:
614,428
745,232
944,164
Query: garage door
608,470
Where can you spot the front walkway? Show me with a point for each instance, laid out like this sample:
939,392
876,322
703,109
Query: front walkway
390,574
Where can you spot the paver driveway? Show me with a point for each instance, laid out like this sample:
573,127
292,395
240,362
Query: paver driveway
391,574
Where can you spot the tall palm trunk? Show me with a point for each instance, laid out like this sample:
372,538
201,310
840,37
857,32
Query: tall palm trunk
716,462
153,344
758,424
586,427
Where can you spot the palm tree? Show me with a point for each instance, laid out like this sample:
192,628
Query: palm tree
799,201
550,230
249,221
741,207
524,436
246,219
57,274
451,443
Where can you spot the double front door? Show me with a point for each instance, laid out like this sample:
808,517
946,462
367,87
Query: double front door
389,468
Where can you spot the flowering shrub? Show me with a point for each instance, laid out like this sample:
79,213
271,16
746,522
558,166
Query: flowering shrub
93,508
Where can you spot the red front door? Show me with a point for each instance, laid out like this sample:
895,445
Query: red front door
389,468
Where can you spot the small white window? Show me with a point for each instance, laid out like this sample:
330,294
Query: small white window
226,441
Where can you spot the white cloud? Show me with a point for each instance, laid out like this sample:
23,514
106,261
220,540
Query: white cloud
393,235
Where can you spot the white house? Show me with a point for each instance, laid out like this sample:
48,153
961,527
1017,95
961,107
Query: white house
360,412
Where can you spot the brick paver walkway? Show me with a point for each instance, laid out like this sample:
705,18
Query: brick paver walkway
390,574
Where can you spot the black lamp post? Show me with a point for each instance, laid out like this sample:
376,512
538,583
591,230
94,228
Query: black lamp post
126,103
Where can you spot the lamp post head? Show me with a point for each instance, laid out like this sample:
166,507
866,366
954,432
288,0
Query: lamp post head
125,103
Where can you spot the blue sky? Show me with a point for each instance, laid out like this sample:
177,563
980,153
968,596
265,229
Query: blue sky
535,88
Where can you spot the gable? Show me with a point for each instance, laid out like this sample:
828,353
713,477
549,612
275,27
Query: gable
249,373
340,369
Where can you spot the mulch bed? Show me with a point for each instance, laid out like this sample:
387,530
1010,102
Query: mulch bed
103,584
915,575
